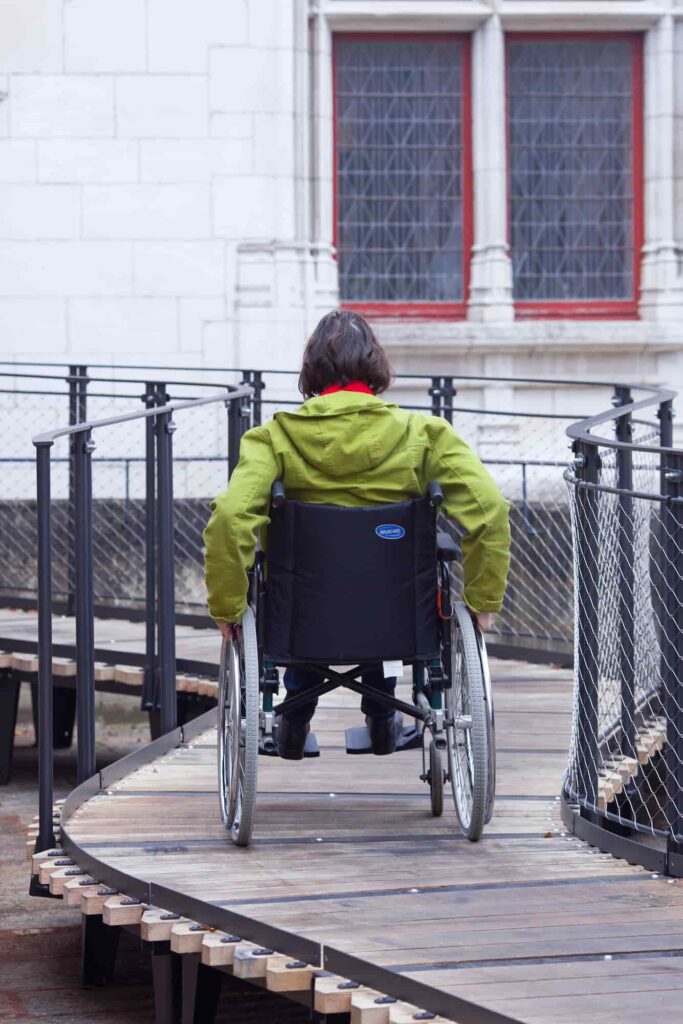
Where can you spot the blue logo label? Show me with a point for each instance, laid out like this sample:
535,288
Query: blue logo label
390,532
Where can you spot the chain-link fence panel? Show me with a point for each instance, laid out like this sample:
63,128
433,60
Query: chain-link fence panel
626,754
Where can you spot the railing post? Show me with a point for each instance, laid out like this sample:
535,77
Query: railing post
436,394
46,835
671,576
165,549
625,526
154,395
238,423
78,383
254,378
587,463
448,396
82,449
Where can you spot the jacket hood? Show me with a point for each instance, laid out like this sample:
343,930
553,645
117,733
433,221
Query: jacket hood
345,432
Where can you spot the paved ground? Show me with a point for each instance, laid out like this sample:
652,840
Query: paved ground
40,938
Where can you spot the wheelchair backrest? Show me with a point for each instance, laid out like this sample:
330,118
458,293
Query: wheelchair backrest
351,584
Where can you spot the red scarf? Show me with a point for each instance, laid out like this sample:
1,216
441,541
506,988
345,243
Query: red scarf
353,385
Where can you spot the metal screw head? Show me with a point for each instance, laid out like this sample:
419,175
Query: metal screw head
171,427
673,476
579,461
89,446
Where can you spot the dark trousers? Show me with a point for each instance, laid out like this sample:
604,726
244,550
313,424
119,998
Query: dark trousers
298,680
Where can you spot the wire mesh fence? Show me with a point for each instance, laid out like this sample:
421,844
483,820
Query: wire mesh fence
523,445
626,755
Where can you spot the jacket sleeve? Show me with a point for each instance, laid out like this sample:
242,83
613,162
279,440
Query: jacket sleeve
472,497
237,516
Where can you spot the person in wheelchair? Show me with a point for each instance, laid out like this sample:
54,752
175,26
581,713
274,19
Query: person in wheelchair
346,446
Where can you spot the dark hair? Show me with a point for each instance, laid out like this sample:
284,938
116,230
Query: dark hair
343,348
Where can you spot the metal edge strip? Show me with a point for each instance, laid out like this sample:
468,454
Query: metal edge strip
604,839
408,990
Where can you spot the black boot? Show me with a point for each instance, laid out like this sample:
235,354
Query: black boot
384,731
291,737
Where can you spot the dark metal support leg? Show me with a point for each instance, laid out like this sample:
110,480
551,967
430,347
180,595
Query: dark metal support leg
46,835
150,695
624,457
166,982
64,703
208,986
9,702
99,948
588,470
167,656
154,716
85,606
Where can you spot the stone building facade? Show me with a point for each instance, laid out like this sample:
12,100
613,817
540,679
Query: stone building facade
498,183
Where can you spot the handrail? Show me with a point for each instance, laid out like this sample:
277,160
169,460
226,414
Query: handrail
159,552
581,431
234,392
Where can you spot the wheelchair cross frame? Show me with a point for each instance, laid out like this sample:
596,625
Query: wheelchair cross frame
430,677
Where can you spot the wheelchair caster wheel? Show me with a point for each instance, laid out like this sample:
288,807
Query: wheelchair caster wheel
435,780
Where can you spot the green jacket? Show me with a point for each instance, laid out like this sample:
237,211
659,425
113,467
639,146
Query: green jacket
355,449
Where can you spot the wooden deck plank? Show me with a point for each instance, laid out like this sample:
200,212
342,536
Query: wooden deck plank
520,922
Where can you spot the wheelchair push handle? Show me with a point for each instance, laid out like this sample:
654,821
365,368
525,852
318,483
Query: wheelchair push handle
277,494
435,493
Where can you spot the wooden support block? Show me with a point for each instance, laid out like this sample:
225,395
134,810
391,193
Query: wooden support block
218,949
605,789
615,781
625,767
38,858
369,1007
5,659
404,1013
208,688
285,974
332,994
129,675
92,901
120,909
251,961
182,683
24,663
58,879
187,936
75,890
103,672
63,667
156,925
50,867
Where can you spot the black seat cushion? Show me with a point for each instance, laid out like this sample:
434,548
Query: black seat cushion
351,584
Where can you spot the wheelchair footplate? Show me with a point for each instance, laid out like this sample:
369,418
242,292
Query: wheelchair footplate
358,739
269,749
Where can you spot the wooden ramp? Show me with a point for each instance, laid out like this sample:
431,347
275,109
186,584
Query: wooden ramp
348,871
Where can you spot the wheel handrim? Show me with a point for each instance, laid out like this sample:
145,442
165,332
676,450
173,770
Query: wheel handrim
459,735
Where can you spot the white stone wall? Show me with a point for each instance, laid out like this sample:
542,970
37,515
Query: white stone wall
166,185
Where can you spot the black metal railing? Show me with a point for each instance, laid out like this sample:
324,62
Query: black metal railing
623,790
160,657
626,507
525,449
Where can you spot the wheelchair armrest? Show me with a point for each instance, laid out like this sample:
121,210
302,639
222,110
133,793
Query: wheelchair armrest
446,548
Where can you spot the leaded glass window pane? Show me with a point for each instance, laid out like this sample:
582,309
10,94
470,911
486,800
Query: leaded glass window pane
399,180
571,169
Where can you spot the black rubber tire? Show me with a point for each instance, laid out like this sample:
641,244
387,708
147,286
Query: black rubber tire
468,748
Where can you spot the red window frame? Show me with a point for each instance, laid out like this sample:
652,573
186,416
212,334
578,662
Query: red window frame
417,310
578,309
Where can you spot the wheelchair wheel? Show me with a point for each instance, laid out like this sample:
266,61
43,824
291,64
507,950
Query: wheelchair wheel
238,731
467,726
435,780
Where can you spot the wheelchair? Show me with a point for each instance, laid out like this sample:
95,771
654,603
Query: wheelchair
351,587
